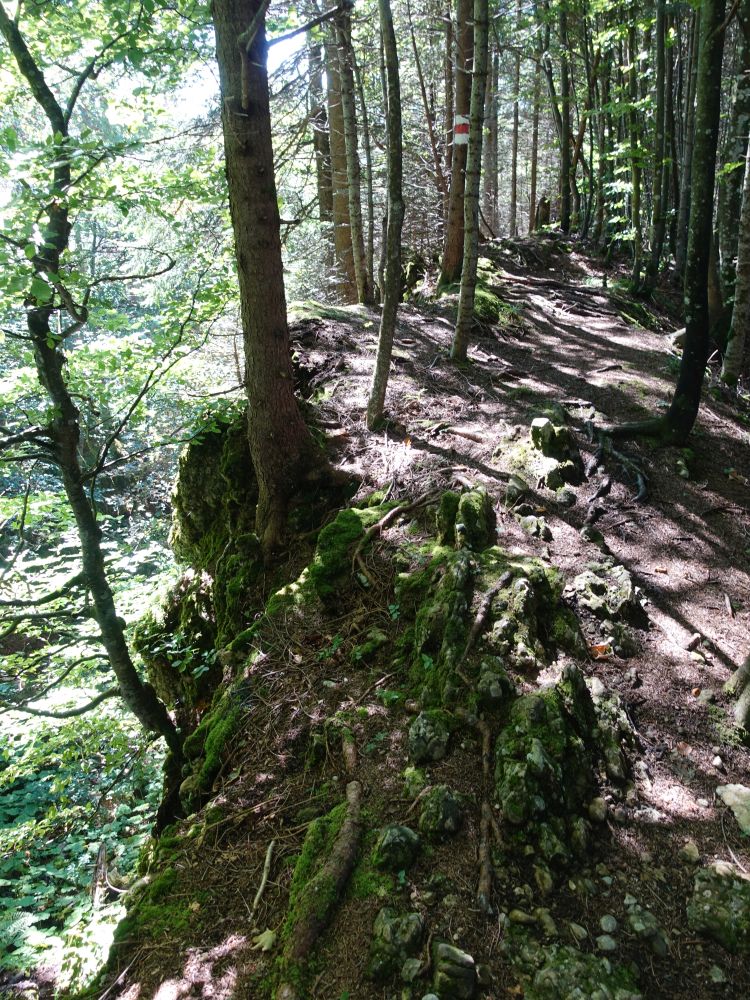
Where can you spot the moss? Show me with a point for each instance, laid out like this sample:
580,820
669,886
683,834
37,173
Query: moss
488,307
565,633
331,567
475,520
206,747
446,518
238,573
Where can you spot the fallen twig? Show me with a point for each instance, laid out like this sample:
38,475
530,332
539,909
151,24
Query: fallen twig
263,880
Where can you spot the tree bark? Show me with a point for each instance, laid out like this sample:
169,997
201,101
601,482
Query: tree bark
512,220
534,150
660,171
565,175
490,150
471,196
683,214
346,284
281,447
737,356
454,230
321,139
392,283
635,154
351,144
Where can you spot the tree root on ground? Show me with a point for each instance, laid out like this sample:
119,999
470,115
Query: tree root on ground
322,893
603,435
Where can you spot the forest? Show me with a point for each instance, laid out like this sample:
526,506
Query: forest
374,499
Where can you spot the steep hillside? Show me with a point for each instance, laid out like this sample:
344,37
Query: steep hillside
468,739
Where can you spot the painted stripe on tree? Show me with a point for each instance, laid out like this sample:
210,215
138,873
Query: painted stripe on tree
461,131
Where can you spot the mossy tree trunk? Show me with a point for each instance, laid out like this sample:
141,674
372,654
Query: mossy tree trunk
282,449
61,437
395,216
471,196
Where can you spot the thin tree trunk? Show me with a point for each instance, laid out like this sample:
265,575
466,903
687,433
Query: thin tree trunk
370,241
565,175
737,356
512,221
635,154
658,215
449,98
687,153
730,185
454,230
392,289
64,422
471,197
351,144
346,283
534,149
489,149
440,181
319,125
282,449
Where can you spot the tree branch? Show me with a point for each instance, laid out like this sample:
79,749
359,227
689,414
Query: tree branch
36,434
72,713
33,75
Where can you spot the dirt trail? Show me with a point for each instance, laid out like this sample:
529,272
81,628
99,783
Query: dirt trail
564,340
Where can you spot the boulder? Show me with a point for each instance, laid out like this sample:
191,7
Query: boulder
720,906
396,848
441,814
455,974
396,938
428,736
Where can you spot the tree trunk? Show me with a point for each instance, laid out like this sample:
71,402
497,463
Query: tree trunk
490,150
64,427
370,240
392,289
730,185
346,284
282,449
353,172
635,154
683,214
471,197
454,229
684,407
512,221
565,177
319,125
737,357
534,149
449,98
660,174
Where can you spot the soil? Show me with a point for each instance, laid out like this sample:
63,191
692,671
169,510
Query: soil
567,336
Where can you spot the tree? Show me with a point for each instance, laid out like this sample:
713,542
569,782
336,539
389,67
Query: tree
283,452
395,219
50,304
737,357
471,196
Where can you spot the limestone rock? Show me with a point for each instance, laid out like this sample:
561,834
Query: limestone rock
455,975
441,814
494,686
428,736
396,848
475,520
607,589
644,925
516,488
720,906
737,797
395,939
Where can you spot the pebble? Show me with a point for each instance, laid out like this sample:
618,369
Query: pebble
520,917
718,763
689,852
608,923
598,810
578,932
717,975
606,942
703,803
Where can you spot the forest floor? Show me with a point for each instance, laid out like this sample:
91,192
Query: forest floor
566,338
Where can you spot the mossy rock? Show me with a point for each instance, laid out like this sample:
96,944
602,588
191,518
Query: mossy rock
446,517
441,814
720,907
562,972
155,913
177,642
239,571
545,760
607,590
216,491
331,569
396,938
396,849
429,735
475,520
206,747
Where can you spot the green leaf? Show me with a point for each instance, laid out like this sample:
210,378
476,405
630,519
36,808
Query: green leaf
40,290
30,251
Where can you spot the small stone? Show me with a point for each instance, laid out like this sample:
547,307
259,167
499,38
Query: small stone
566,498
717,975
515,489
703,803
543,879
579,933
546,921
608,923
689,852
598,810
520,917
396,848
455,972
737,797
718,763
441,814
428,736
606,943
707,696
410,970
697,657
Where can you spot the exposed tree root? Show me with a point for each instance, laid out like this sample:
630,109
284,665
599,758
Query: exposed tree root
322,893
375,529
263,880
604,437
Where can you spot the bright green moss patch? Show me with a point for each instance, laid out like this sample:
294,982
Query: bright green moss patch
206,748
331,567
